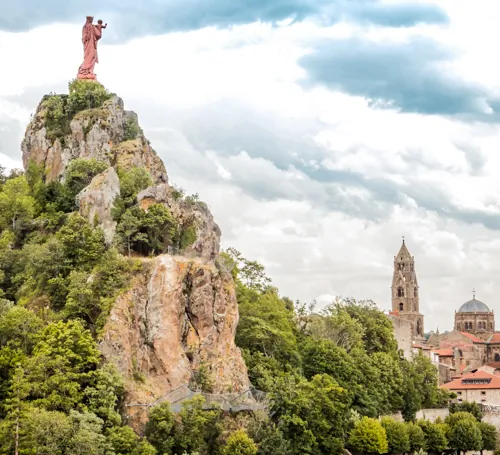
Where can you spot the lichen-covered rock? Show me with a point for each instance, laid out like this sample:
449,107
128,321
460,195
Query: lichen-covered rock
187,211
96,201
99,134
177,321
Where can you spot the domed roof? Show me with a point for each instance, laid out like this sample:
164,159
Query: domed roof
474,306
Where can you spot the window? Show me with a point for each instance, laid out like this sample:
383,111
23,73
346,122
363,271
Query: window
401,306
415,292
401,292
476,381
483,400
497,357
483,392
459,400
459,393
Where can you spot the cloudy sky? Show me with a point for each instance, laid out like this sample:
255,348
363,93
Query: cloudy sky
319,131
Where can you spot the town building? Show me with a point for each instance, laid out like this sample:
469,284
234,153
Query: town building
479,386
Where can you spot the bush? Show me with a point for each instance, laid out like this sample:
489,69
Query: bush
239,443
60,109
80,173
131,129
85,95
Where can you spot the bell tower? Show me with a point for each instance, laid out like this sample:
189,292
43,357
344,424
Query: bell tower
405,294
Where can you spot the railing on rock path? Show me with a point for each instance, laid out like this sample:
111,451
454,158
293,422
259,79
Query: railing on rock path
249,400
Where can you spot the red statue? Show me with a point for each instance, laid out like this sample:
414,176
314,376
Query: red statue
90,35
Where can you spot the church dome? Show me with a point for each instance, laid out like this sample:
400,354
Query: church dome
474,306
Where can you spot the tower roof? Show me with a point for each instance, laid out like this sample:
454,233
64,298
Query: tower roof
474,306
403,254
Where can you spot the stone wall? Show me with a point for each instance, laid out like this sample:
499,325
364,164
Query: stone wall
489,416
403,334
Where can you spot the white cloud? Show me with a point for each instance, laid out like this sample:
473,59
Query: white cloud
280,214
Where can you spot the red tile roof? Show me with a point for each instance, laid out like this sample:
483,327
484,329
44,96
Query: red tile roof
471,337
478,380
444,352
495,338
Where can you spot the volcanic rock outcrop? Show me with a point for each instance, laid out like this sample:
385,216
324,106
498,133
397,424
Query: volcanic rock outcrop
176,322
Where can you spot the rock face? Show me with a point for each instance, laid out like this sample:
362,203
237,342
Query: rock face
207,243
96,201
176,323
175,327
102,134
93,134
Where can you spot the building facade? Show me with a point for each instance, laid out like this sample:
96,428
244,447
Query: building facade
480,387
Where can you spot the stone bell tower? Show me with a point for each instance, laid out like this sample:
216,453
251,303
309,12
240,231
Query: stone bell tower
405,299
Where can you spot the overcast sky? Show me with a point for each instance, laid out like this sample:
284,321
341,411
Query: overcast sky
319,132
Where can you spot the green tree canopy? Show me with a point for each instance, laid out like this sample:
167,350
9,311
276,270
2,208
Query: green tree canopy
239,443
398,439
368,436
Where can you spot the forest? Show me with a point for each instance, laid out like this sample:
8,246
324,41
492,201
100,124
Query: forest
333,377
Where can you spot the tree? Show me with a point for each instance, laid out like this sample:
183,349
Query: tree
239,443
160,227
266,326
251,273
80,173
339,327
425,378
15,405
378,334
61,365
411,399
128,231
368,436
87,437
45,432
160,428
453,419
398,440
489,436
82,246
198,429
17,206
435,436
123,440
465,435
267,435
416,436
466,406
313,415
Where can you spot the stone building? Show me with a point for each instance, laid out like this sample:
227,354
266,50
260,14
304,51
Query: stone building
479,386
475,317
404,289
